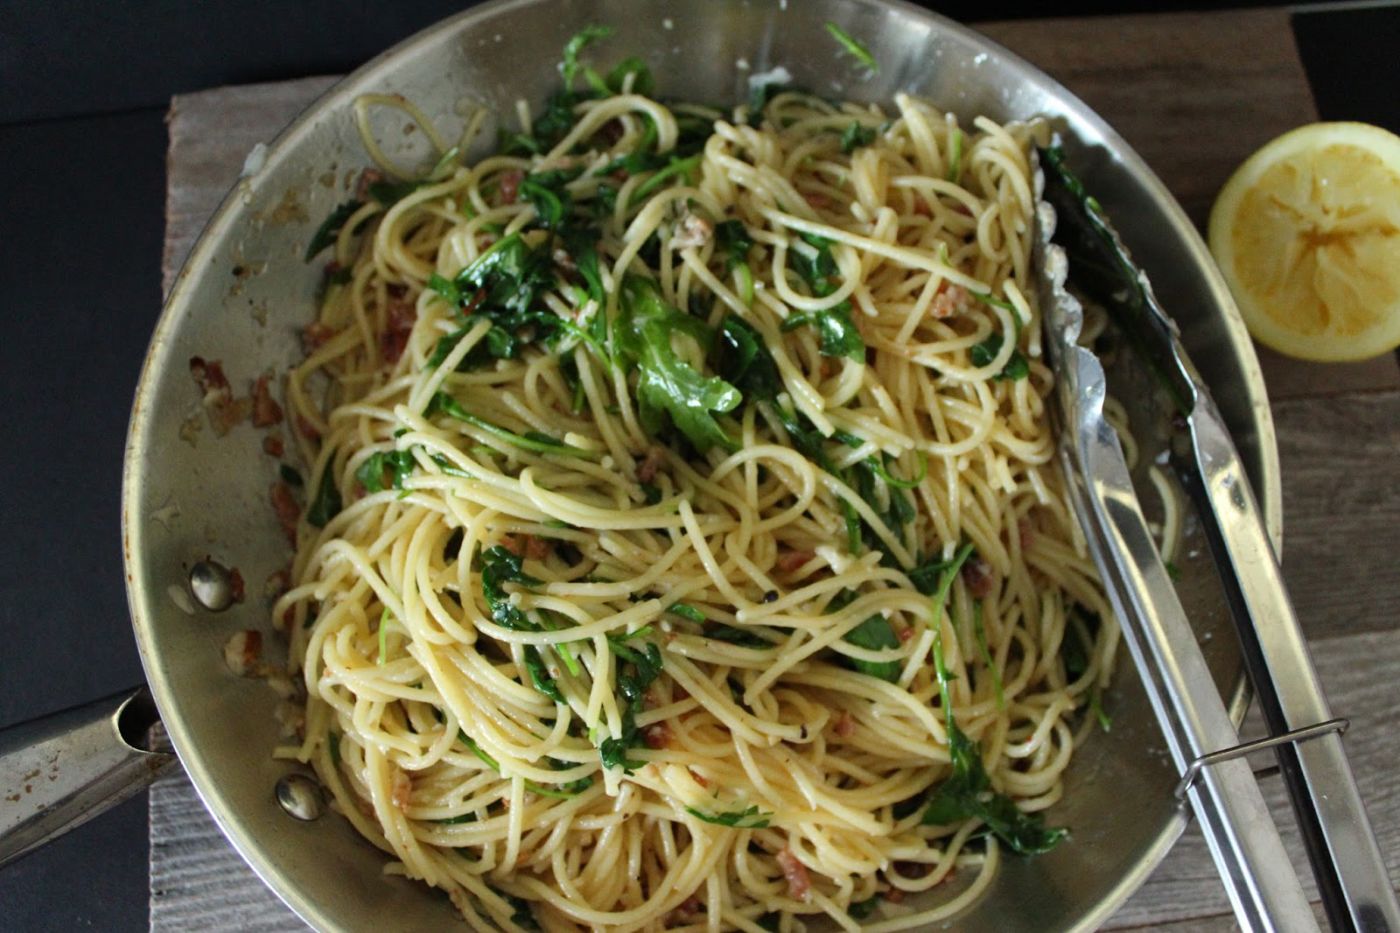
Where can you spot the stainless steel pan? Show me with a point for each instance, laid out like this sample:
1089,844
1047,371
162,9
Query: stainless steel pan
245,292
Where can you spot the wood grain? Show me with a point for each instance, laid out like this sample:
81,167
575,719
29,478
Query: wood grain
1195,94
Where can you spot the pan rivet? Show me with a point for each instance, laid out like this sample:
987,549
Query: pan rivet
300,796
211,586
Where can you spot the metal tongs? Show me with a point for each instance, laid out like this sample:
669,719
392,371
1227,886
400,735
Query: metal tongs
1263,886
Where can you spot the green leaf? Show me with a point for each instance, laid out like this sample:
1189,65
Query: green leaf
389,193
686,611
855,136
966,793
858,51
744,362
955,162
539,675
744,637
576,44
673,168
979,629
478,751
397,463
642,81
875,633
839,335
984,353
329,230
752,818
327,503
533,441
668,385
499,567
816,265
733,240
289,475
637,670
863,910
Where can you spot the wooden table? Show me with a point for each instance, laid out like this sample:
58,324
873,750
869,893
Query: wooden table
1194,94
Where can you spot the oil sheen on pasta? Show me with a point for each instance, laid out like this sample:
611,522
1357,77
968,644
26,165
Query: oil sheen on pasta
696,558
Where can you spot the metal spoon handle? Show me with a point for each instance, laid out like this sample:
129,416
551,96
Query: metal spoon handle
59,771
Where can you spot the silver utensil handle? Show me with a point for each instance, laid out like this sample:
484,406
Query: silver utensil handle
1351,873
1244,842
59,771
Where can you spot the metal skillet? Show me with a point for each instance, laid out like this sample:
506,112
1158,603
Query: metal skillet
183,501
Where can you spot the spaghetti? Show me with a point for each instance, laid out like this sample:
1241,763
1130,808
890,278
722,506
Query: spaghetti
685,547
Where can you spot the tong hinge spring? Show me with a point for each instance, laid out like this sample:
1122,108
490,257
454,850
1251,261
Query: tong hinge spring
1193,770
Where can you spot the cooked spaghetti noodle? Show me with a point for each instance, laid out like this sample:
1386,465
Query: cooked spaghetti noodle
686,547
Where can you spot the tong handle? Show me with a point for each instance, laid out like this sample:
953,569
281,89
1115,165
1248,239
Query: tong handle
1351,873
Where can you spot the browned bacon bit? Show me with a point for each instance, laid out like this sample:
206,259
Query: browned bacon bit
306,429
685,912
236,587
657,735
1026,532
285,505
977,577
790,560
266,411
278,582
795,873
314,336
893,895
402,790
394,340
905,633
646,470
224,410
950,300
921,207
845,724
370,176
699,778
510,185
817,199
243,652
912,869
272,445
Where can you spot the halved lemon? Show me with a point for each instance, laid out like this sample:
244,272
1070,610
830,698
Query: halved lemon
1307,234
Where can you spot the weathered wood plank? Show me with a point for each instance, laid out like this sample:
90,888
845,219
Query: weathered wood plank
211,133
1341,510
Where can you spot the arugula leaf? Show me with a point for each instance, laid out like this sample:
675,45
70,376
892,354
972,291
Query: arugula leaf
668,385
858,51
855,136
742,360
637,670
642,81
539,675
499,567
457,820
289,475
532,441
874,633
329,230
576,44
839,334
862,910
547,193
967,794
327,503
752,818
733,635
816,266
686,611
478,751
979,629
522,915
985,352
673,168
398,463
760,93
936,576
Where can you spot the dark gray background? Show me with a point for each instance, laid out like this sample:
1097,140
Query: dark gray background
84,86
